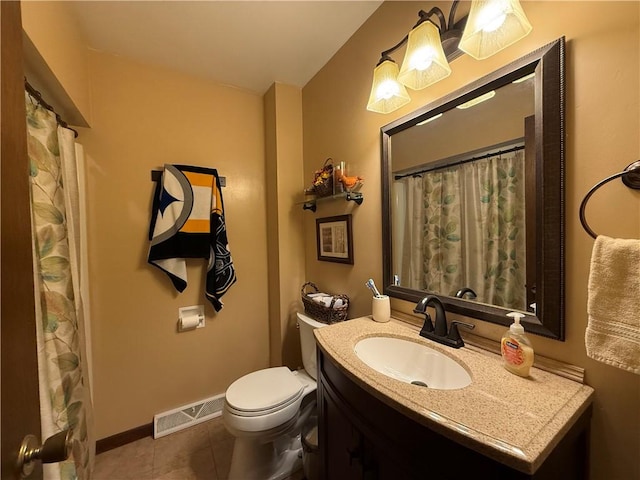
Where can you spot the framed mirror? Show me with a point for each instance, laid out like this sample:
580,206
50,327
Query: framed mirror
473,197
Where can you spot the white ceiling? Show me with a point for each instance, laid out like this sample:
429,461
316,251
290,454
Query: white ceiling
247,44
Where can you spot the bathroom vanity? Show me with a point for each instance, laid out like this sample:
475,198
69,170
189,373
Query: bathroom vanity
500,426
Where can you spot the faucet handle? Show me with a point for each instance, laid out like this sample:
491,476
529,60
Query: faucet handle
428,325
454,334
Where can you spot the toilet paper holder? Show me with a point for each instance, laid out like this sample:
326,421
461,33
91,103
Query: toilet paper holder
190,318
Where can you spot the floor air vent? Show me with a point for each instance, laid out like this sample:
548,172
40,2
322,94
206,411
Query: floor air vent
187,416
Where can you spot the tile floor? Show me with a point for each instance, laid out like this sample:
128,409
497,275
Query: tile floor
202,452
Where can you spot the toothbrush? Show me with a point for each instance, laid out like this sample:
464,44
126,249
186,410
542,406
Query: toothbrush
372,286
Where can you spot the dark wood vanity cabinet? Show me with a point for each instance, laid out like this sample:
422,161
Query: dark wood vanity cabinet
360,437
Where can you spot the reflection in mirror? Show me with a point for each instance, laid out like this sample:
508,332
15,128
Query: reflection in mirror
449,188
465,214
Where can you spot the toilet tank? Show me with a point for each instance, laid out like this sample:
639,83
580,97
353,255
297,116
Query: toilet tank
308,343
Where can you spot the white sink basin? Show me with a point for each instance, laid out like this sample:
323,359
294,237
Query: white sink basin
412,362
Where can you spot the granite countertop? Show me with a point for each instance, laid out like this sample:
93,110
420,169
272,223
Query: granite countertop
516,421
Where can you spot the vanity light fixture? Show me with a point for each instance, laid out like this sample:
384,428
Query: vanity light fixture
430,119
424,61
490,26
493,25
475,101
387,93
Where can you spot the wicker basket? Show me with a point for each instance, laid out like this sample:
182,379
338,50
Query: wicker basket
323,186
321,313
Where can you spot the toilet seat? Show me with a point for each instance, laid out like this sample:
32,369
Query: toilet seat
266,411
263,392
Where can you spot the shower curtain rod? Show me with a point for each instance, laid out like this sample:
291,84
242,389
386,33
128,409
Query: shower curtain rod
38,98
440,165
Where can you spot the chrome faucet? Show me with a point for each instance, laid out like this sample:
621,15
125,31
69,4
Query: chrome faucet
439,332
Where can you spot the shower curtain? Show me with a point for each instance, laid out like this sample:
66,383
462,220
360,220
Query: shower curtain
466,228
60,286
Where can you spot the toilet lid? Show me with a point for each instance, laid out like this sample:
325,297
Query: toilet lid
264,390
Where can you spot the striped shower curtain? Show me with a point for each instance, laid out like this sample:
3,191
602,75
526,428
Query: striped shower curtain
56,186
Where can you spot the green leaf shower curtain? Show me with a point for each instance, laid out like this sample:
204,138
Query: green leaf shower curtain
465,227
496,236
55,214
432,252
411,271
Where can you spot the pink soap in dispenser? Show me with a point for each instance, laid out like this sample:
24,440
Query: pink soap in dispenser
516,350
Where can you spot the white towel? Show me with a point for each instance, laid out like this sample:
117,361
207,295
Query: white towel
316,295
613,305
326,299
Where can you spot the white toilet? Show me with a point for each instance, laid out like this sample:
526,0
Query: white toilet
265,411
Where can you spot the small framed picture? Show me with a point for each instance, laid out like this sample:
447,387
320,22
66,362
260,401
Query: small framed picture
334,240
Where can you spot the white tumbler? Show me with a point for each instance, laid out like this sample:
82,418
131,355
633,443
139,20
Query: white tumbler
381,308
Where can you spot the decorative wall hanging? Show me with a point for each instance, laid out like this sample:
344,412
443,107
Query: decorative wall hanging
334,239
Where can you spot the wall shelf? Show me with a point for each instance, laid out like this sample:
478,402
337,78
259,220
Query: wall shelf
356,197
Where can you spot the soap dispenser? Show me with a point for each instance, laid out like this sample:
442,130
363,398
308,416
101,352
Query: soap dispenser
516,350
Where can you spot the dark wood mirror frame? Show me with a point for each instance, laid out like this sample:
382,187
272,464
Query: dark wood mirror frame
548,63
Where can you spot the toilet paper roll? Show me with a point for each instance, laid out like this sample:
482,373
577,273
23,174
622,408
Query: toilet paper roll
189,322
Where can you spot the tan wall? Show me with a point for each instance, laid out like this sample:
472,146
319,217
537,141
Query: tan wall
283,132
502,121
51,27
145,117
603,136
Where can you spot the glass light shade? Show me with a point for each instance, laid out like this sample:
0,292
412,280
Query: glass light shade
493,25
424,61
387,93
